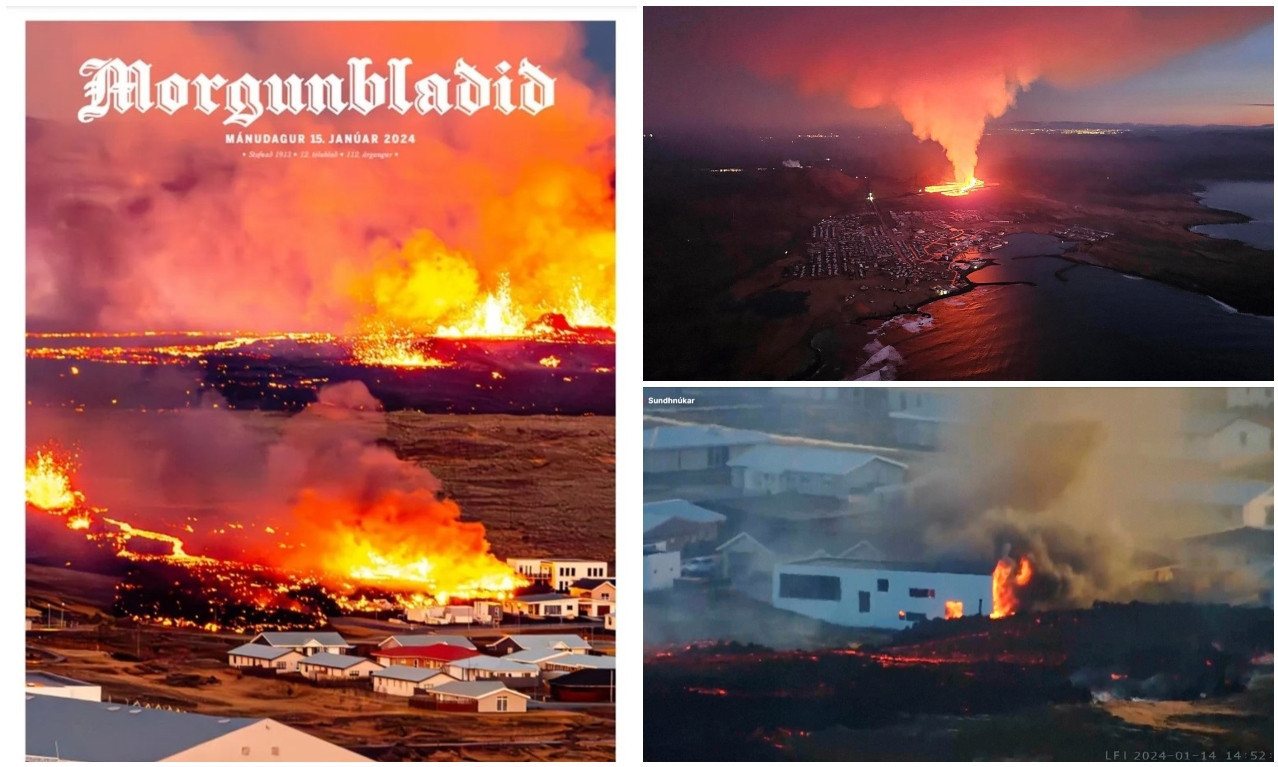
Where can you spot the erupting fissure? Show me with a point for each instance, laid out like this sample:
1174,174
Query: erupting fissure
346,558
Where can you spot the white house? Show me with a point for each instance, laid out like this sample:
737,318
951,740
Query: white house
65,729
1218,504
44,683
596,596
678,523
562,606
1226,437
305,642
660,569
483,667
559,573
482,697
695,448
816,471
879,594
1259,511
610,621
405,681
282,659
921,417
1249,397
536,657
333,666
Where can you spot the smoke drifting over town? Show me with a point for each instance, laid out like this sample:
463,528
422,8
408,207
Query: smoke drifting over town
952,70
151,221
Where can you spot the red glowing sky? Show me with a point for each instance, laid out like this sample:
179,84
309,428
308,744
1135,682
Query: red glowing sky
805,68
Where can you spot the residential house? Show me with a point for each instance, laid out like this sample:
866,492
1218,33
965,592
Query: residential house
44,683
596,596
587,685
405,681
695,448
328,666
425,640
305,642
483,667
562,606
511,643
480,697
677,524
1226,438
429,656
282,659
817,471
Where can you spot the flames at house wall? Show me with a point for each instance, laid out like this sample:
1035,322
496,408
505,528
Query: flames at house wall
480,226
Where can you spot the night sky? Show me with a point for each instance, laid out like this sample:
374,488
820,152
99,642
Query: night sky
821,67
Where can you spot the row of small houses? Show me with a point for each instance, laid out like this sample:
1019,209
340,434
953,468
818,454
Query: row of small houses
443,672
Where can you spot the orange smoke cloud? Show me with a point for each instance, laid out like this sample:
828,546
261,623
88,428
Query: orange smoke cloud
949,71
152,221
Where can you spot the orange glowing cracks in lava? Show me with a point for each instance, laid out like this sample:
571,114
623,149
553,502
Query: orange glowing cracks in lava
49,481
953,610
1005,584
393,349
956,189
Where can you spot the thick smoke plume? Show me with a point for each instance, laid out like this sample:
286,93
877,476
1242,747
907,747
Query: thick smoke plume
319,492
948,71
151,221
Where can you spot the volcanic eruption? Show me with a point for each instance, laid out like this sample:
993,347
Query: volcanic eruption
947,71
339,516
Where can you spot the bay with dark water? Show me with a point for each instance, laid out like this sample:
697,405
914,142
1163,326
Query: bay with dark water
1052,319
1250,198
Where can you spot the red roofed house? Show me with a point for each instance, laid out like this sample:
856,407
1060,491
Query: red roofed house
431,656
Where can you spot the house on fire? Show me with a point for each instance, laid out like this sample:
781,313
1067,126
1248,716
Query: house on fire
304,642
695,448
816,471
884,595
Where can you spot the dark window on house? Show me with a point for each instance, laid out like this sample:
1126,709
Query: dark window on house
923,593
912,616
883,584
718,456
825,587
1269,515
864,599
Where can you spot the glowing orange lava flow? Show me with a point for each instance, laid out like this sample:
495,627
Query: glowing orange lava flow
955,189
953,610
1005,584
393,349
496,315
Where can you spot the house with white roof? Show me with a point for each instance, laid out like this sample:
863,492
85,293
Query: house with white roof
559,573
282,659
487,697
405,681
678,523
575,662
305,642
1226,438
332,666
535,657
44,683
695,448
562,642
482,667
65,729
817,471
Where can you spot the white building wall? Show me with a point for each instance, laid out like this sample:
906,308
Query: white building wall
1240,439
1249,396
660,570
1259,512
79,691
974,591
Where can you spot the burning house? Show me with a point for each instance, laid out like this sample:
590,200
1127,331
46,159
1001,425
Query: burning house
884,595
